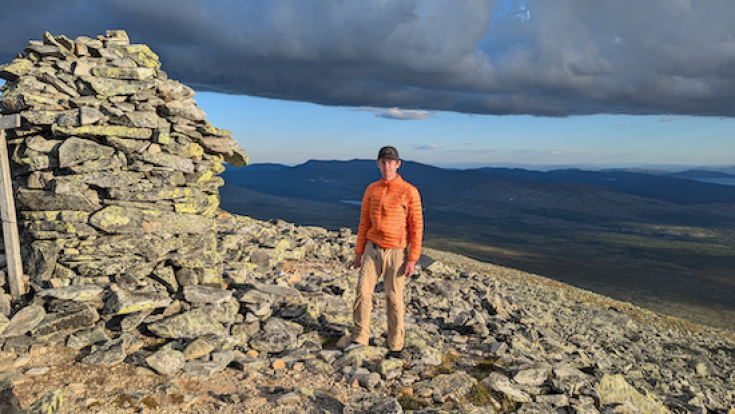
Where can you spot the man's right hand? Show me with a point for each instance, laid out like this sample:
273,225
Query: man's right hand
358,260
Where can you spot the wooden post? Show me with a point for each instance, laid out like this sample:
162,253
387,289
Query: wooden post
7,208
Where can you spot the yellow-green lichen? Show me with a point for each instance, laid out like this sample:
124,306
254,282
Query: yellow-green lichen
103,130
18,67
112,217
142,55
125,73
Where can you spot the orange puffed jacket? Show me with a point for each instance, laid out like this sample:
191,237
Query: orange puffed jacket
390,212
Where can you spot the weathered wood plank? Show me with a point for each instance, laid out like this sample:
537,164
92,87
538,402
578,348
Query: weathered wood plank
9,121
7,210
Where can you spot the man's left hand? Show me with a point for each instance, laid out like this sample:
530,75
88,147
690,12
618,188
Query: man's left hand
410,267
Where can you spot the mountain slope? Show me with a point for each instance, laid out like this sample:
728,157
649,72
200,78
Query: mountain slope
670,250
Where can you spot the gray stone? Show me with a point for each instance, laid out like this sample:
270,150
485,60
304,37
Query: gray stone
166,361
569,373
498,348
166,275
374,404
4,321
40,144
186,109
228,147
111,87
245,330
131,321
130,147
223,342
174,90
107,355
77,293
107,179
197,322
501,384
74,151
323,403
118,220
281,293
57,326
89,115
46,50
46,200
127,269
25,320
103,164
87,337
455,386
390,368
42,261
50,402
614,389
140,120
358,356
533,376
205,369
429,356
198,349
186,277
371,381
154,248
276,336
555,400
15,69
204,294
18,344
132,73
251,364
317,366
288,399
167,160
123,302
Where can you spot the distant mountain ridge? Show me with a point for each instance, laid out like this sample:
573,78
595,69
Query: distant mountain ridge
677,188
338,180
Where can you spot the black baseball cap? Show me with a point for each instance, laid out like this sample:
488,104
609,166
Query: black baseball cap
388,152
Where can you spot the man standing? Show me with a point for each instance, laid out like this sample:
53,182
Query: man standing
388,245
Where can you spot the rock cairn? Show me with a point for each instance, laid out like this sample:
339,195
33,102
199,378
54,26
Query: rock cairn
115,167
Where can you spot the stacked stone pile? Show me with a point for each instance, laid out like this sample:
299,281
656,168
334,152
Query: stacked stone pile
115,165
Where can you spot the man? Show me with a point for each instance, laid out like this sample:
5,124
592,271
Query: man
388,245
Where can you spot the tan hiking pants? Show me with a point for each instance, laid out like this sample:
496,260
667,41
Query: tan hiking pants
389,263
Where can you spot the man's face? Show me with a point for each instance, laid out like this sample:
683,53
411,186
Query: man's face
388,168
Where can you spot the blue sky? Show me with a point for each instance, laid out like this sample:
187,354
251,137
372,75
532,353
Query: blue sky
290,132
564,82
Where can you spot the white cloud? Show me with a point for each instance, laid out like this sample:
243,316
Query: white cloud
556,152
568,151
397,113
669,119
427,147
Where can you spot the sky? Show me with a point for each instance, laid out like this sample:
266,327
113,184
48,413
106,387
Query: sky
459,83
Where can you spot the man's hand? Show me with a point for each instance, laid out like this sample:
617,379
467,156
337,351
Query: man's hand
410,267
358,260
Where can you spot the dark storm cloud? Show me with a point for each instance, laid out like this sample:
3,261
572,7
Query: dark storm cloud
537,57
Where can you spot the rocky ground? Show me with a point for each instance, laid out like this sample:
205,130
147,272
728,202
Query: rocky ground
479,339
